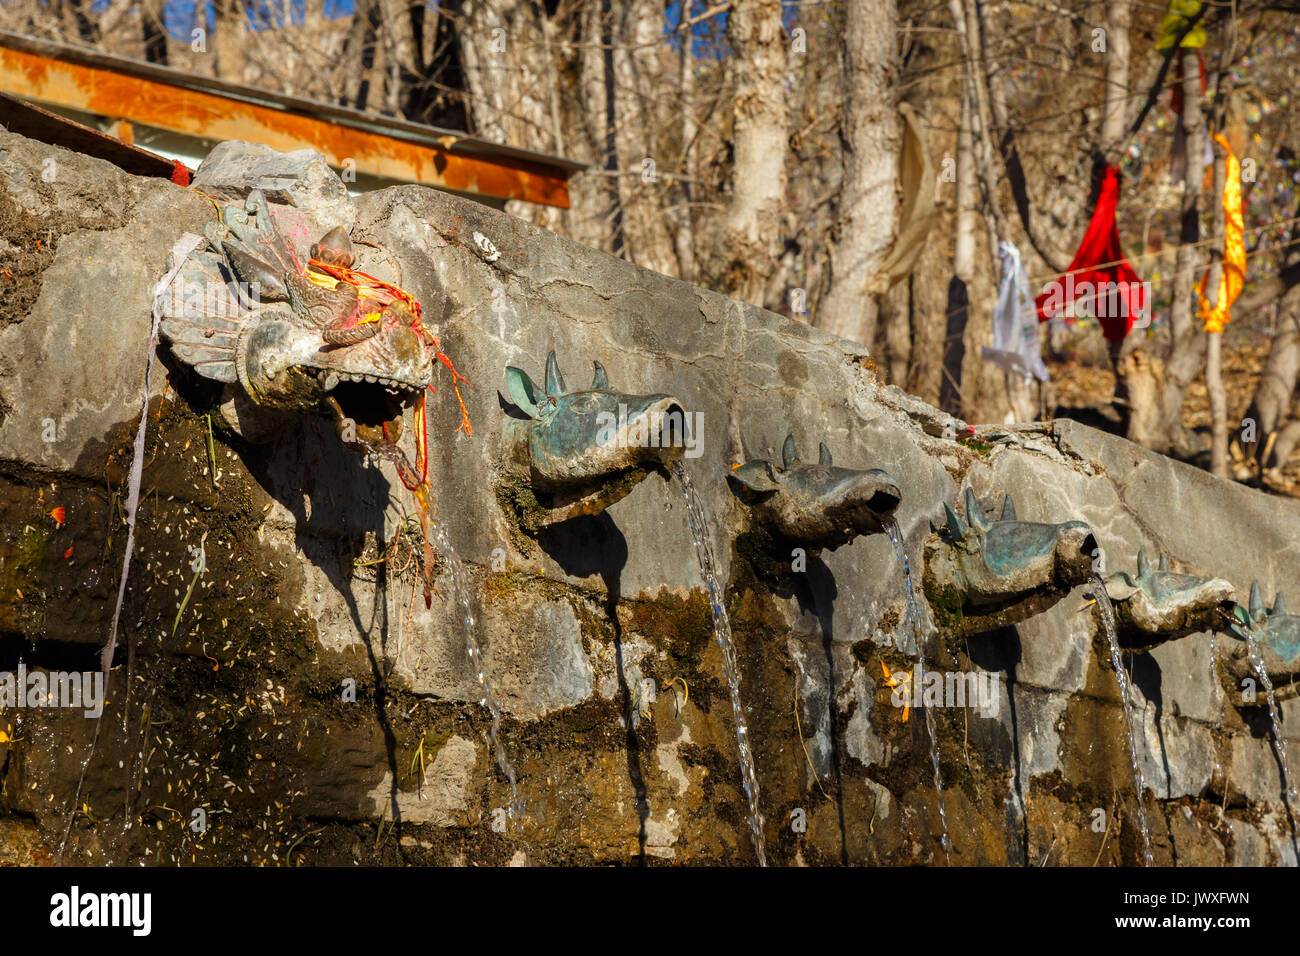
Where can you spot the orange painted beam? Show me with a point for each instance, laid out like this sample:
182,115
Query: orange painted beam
151,103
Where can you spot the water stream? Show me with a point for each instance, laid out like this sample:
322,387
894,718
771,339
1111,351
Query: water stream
914,615
1107,612
698,520
1275,715
432,525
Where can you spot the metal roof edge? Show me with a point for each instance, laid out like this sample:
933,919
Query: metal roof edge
454,141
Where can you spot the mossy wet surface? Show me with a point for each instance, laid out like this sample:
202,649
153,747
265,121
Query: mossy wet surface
945,604
236,710
239,710
532,512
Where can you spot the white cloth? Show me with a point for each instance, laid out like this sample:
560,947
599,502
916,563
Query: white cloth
180,252
1016,347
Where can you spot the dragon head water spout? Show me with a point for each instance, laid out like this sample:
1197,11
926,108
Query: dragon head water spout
814,505
246,312
579,452
982,574
1160,605
1278,636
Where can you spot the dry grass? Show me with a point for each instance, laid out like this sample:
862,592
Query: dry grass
1087,384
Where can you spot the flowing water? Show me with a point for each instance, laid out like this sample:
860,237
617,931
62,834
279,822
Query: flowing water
1108,625
699,524
434,526
1218,767
914,615
1279,741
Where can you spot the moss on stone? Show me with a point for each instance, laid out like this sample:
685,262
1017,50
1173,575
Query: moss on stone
518,500
974,444
945,604
22,565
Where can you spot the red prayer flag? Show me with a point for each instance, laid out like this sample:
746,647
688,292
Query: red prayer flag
1100,272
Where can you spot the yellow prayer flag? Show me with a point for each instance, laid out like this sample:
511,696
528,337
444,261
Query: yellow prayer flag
1175,21
1233,275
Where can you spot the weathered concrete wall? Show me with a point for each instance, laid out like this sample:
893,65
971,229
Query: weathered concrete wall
237,708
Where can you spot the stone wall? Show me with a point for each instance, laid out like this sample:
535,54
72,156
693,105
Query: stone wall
239,706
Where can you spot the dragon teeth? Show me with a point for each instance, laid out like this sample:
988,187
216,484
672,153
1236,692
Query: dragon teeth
330,380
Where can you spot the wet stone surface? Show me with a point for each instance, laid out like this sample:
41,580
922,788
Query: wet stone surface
296,702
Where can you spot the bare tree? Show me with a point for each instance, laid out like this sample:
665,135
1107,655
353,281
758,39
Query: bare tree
1214,340
721,152
1158,423
231,29
963,263
1269,410
870,138
751,234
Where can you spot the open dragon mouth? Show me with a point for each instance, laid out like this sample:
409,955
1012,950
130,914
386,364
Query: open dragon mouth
373,404
324,337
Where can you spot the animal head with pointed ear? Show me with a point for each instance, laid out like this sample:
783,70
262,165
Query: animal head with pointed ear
245,311
817,505
1277,636
1159,605
586,449
1004,571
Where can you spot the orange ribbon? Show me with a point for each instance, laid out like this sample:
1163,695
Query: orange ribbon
368,287
1233,274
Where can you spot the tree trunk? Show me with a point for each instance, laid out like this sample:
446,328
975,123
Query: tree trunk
1269,407
685,234
403,55
966,18
1119,15
502,48
1214,344
154,33
1114,134
1002,130
112,16
963,266
896,309
1287,438
597,211
928,294
1159,427
640,62
751,236
231,30
1269,290
358,54
507,55
871,137
1218,405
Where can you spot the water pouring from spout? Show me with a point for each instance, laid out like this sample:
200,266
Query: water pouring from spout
1108,624
914,616
699,525
433,525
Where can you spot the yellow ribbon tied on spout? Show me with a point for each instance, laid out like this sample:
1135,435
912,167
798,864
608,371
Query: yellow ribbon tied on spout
1180,11
1233,276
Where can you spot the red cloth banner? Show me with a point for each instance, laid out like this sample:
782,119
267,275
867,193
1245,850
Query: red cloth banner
1100,273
